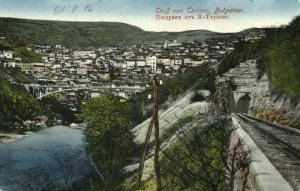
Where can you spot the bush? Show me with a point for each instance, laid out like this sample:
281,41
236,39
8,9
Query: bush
16,102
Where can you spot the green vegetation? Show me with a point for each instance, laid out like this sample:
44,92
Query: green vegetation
201,77
200,160
108,136
277,54
21,32
27,56
56,110
282,60
4,45
20,51
277,116
13,74
243,51
16,104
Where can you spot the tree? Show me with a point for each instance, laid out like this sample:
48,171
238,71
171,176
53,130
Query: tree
108,136
203,158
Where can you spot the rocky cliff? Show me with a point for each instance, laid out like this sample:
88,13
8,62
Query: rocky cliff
263,101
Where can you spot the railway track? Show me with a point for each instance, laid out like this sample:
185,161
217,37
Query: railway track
280,144
287,137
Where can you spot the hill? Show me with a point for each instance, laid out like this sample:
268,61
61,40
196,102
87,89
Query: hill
21,32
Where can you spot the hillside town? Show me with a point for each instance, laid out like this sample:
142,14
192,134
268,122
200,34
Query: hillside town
125,65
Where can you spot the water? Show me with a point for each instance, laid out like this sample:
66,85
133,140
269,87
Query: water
46,160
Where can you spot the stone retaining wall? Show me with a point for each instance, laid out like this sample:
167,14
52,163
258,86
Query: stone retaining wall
263,176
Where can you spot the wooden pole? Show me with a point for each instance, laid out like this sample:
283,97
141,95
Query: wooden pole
142,160
218,99
154,121
156,136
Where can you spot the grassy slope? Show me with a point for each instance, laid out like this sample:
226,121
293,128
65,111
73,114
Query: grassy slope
27,56
282,60
20,52
21,32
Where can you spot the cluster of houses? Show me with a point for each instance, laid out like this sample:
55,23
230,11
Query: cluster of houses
61,65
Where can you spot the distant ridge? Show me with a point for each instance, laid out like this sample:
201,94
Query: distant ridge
21,32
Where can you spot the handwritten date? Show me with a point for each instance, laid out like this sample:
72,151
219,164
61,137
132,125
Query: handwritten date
73,9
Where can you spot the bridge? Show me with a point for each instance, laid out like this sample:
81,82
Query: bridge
39,91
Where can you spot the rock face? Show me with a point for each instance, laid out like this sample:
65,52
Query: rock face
265,98
238,86
249,93
38,122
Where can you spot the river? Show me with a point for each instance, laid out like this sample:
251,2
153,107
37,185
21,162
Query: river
51,158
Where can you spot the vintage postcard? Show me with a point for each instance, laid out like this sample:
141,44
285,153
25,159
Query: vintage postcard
149,95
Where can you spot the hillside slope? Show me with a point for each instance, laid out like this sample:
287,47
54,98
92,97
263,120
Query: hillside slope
178,109
277,55
16,104
21,32
282,60
278,61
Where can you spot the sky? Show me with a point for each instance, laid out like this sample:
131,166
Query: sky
143,13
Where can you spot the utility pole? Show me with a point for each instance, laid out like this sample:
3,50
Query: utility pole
218,98
153,121
156,136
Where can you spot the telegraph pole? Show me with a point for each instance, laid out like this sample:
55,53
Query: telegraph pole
218,98
143,156
153,122
156,136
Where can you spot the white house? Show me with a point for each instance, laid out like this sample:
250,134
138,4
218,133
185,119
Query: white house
83,53
130,64
52,59
41,67
8,54
187,61
45,58
140,63
93,55
9,63
197,62
56,66
201,53
165,62
25,67
152,62
120,64
82,71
